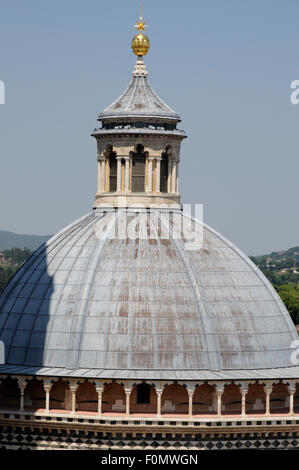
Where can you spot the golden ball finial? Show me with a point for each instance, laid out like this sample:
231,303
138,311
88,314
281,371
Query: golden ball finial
140,43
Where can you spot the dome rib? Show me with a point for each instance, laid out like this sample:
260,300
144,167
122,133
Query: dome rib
261,276
91,223
213,362
74,349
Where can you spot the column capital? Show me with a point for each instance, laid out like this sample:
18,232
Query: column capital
292,388
47,387
159,392
22,381
73,388
101,158
268,388
128,391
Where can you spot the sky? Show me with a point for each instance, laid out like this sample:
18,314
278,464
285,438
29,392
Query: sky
224,65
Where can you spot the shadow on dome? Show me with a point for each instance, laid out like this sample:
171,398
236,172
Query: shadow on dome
25,312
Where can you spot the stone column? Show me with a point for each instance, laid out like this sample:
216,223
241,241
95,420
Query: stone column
127,174
268,392
150,175
47,388
169,188
292,390
128,395
159,402
190,394
219,394
173,176
244,393
101,174
22,386
100,395
119,159
158,174
177,175
73,389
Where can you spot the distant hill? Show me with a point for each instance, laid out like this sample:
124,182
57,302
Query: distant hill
10,240
288,258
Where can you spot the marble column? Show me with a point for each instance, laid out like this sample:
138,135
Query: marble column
127,174
158,174
190,394
101,173
128,396
119,159
244,393
173,176
100,396
159,402
169,189
292,390
219,394
73,390
150,175
177,175
22,387
268,392
47,388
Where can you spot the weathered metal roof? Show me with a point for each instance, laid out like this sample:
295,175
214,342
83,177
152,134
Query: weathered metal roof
164,375
139,100
89,302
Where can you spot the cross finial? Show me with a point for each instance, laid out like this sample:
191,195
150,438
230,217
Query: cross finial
140,26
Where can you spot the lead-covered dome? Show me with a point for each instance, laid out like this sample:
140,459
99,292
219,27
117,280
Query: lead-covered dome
139,100
95,298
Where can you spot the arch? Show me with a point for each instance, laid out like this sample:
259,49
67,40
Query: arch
86,397
34,395
175,400
143,399
60,396
255,400
231,400
112,165
10,394
138,169
279,399
114,399
205,400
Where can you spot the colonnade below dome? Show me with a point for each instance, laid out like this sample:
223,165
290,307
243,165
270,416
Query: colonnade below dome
137,172
154,399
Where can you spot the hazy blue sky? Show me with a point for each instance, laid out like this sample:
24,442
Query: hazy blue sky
224,65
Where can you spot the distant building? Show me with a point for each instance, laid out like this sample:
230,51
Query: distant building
117,334
4,259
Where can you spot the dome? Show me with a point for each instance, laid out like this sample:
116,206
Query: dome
139,100
96,300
